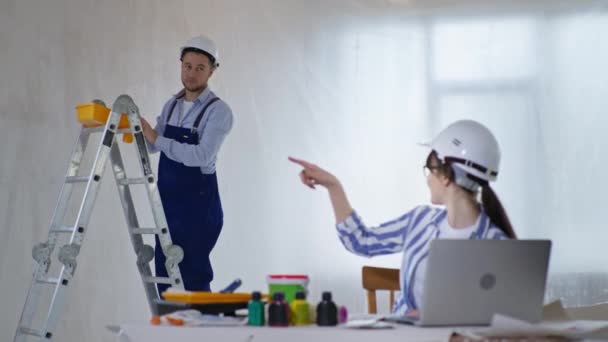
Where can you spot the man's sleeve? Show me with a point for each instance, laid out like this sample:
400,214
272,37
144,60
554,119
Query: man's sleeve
213,135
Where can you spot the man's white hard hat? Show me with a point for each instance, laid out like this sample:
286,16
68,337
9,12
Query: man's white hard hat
203,44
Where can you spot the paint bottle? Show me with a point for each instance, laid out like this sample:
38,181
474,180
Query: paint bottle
255,309
278,311
342,314
327,312
300,310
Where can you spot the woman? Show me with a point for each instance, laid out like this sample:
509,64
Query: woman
463,159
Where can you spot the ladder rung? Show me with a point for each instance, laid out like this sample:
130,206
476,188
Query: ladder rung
158,280
77,179
101,128
127,181
32,332
63,229
146,231
52,281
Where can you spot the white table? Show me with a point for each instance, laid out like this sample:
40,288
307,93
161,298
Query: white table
148,333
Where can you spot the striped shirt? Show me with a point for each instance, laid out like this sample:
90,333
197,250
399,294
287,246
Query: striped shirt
409,234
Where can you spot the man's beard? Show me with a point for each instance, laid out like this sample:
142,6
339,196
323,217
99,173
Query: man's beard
194,89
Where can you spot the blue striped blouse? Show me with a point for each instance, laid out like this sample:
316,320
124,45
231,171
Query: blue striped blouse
409,234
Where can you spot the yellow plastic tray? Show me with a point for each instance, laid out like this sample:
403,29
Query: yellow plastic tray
93,114
207,297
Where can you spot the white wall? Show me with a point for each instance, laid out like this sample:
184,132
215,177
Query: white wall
351,85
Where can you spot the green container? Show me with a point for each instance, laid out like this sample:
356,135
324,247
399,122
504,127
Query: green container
289,284
255,308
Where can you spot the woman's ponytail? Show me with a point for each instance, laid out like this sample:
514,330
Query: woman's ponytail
496,212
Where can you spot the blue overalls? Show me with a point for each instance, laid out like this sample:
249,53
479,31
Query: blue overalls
193,209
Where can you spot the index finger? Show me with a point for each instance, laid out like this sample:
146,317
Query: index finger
301,162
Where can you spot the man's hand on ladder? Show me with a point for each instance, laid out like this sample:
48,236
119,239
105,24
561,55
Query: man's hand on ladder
149,132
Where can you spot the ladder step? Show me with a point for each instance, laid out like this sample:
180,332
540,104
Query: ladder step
32,332
63,229
96,129
143,231
127,181
52,281
158,280
77,179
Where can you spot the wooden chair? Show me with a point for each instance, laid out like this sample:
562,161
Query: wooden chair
379,278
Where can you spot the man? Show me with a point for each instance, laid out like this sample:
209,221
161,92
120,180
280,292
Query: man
189,133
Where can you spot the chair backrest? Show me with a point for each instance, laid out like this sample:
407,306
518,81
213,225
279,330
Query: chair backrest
379,278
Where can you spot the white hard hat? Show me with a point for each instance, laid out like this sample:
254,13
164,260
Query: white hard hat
470,147
204,44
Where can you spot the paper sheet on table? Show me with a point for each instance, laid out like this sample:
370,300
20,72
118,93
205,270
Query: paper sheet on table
555,311
367,321
503,326
594,312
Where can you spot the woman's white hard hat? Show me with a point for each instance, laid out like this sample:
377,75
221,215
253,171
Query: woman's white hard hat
469,146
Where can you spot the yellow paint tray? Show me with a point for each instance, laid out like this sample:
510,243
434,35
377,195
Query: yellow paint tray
94,114
199,297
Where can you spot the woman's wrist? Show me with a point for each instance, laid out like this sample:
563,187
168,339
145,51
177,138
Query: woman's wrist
334,185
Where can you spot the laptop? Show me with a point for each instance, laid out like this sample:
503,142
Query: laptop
468,281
